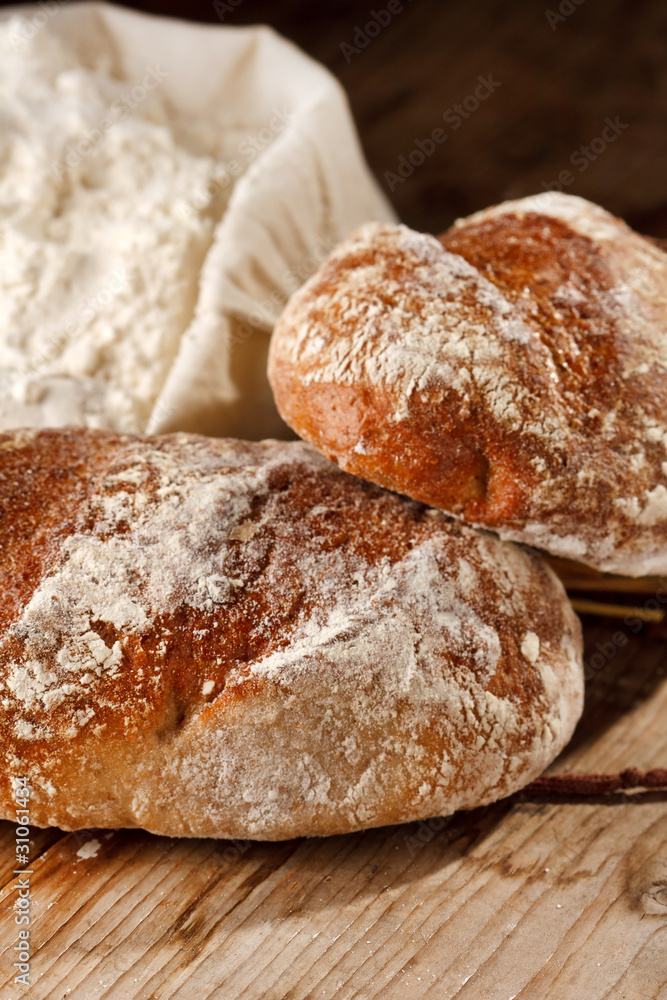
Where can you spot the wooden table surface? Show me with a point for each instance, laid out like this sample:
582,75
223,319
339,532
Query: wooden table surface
558,900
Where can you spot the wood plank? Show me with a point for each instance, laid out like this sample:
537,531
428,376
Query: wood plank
40,840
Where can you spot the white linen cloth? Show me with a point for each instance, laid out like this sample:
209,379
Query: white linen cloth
304,185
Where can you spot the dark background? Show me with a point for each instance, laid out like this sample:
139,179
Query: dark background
561,75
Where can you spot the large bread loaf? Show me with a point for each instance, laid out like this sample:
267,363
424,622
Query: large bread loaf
217,638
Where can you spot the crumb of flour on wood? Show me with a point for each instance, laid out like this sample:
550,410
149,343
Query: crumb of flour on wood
89,849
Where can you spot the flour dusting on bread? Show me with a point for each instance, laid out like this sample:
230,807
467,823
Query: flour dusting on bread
512,372
238,639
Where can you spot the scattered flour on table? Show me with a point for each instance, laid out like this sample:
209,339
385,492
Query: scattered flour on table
89,849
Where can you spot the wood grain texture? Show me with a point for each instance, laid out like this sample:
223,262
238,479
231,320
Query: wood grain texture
555,900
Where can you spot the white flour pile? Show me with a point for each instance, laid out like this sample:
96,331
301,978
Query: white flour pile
108,204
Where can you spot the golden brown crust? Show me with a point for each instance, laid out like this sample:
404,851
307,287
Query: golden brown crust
513,373
219,638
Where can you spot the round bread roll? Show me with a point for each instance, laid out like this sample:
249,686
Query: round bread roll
217,638
512,373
